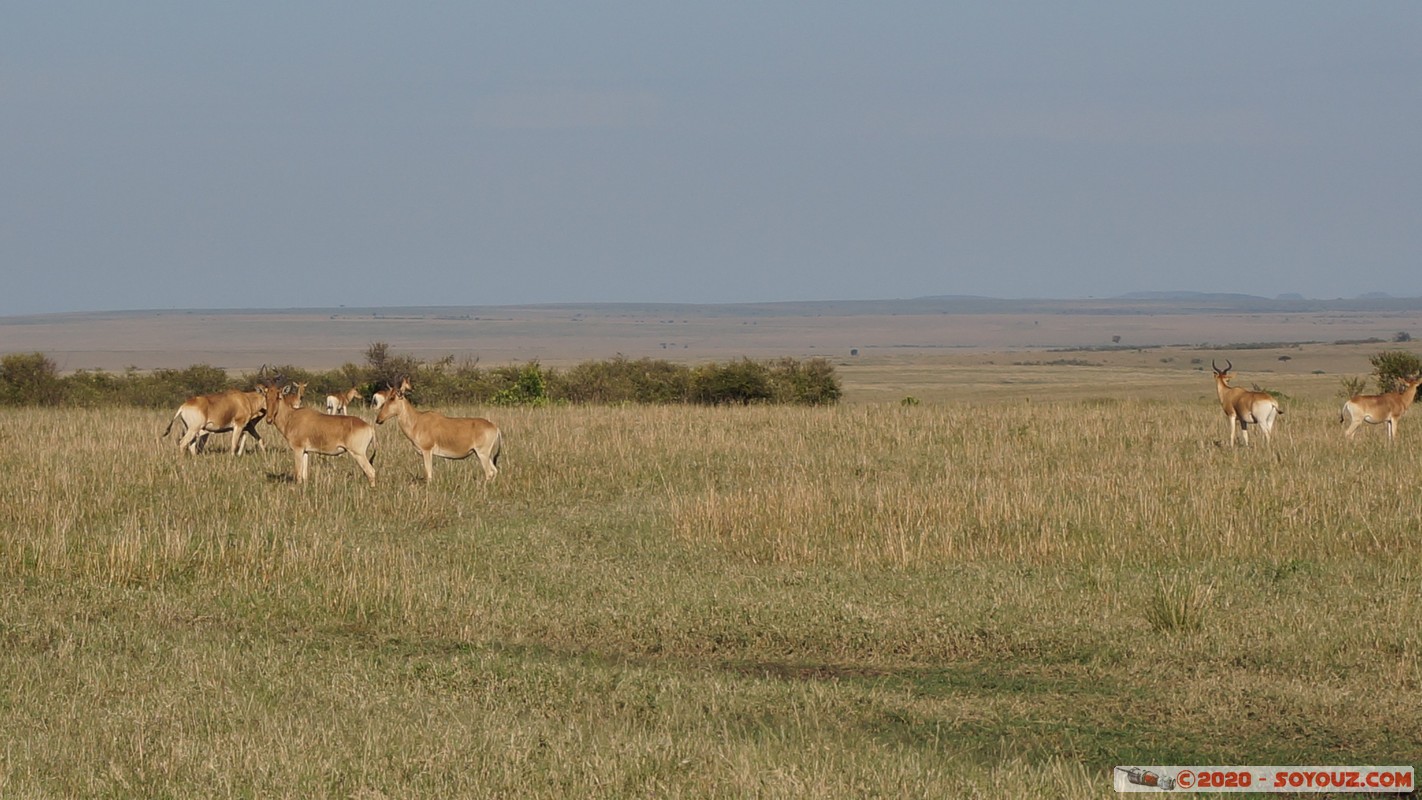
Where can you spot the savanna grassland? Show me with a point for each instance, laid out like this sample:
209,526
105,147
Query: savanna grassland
981,594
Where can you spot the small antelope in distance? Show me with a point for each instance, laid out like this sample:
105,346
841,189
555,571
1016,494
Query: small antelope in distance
378,398
233,410
434,434
1386,408
292,394
309,431
338,403
1245,407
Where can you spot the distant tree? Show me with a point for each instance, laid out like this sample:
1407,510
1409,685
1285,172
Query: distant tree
1402,336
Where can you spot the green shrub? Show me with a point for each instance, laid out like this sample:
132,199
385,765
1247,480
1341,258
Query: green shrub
30,379
1391,366
34,379
738,383
526,386
810,383
620,380
1352,387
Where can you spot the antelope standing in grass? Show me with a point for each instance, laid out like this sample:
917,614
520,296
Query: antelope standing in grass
434,434
1245,407
233,410
309,431
1386,408
338,403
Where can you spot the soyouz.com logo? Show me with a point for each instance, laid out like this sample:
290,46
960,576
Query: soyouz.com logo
1263,779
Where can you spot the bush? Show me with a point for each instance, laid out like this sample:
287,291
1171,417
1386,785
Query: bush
812,383
738,383
1352,387
382,368
34,379
622,381
526,386
30,379
1392,366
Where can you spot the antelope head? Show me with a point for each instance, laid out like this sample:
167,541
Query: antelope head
1223,375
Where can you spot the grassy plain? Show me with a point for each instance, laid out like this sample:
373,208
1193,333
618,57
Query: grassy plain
985,594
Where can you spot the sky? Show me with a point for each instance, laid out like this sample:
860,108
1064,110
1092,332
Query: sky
322,154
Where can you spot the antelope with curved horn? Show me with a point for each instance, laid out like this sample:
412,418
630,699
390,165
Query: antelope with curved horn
338,403
309,431
1386,408
1243,406
434,434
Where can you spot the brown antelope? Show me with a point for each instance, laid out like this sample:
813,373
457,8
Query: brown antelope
434,434
233,410
378,399
293,393
1245,407
338,403
1386,408
309,431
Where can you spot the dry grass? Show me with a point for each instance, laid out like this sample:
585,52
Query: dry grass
971,599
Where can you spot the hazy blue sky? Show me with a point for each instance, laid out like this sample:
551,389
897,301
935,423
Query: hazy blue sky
254,154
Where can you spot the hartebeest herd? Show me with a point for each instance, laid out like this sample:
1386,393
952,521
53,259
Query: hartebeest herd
1245,407
308,430
335,432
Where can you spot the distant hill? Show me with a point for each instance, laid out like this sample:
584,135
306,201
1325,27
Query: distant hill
947,325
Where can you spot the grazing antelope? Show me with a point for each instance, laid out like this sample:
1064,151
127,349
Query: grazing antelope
434,434
1386,408
309,431
338,403
1244,406
378,399
233,410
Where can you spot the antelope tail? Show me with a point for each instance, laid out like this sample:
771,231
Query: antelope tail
164,435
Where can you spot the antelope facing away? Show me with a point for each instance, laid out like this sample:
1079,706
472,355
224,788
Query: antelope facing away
233,410
378,398
1245,407
309,431
1386,408
338,403
434,434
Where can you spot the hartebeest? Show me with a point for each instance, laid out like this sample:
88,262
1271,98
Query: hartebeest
1386,408
233,410
293,393
434,434
378,398
309,431
339,403
1245,407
